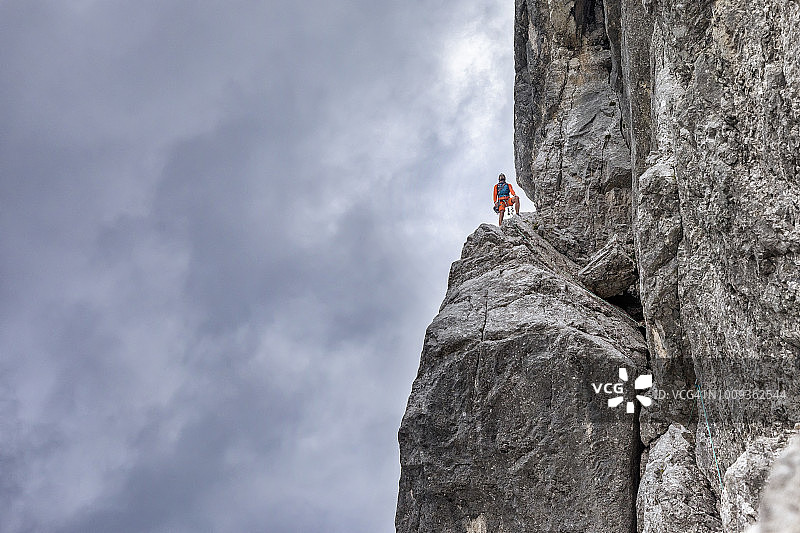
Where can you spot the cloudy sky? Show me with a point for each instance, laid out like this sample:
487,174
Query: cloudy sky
224,228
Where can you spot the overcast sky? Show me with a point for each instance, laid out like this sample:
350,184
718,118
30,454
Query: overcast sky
224,228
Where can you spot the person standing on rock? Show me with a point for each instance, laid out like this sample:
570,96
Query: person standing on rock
504,196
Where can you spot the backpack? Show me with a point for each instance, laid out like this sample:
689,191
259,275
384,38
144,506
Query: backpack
503,190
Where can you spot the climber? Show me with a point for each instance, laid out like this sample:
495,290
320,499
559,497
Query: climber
504,196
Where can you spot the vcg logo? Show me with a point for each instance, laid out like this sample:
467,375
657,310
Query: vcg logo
641,383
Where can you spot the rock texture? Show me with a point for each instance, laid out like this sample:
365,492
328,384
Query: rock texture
571,156
658,139
671,500
717,208
780,507
611,271
503,428
745,479
713,116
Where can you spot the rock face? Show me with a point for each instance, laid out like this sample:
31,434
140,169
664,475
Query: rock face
611,271
503,427
717,204
780,506
658,139
571,156
745,479
670,496
716,197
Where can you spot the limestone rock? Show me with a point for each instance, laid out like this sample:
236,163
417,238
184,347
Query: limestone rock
717,205
571,156
745,479
668,127
714,121
610,271
658,234
503,431
780,504
674,497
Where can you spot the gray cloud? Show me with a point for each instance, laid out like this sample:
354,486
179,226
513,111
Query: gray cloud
225,227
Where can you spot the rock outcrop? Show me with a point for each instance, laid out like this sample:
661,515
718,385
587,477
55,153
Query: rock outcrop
716,209
503,427
745,479
660,142
611,271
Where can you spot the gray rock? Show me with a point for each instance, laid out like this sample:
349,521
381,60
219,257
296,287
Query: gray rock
571,156
745,479
658,233
635,35
780,504
674,497
717,206
503,431
610,271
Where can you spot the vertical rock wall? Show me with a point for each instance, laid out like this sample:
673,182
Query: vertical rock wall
716,213
715,223
571,156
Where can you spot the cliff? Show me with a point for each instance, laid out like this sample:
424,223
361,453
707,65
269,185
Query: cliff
659,140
